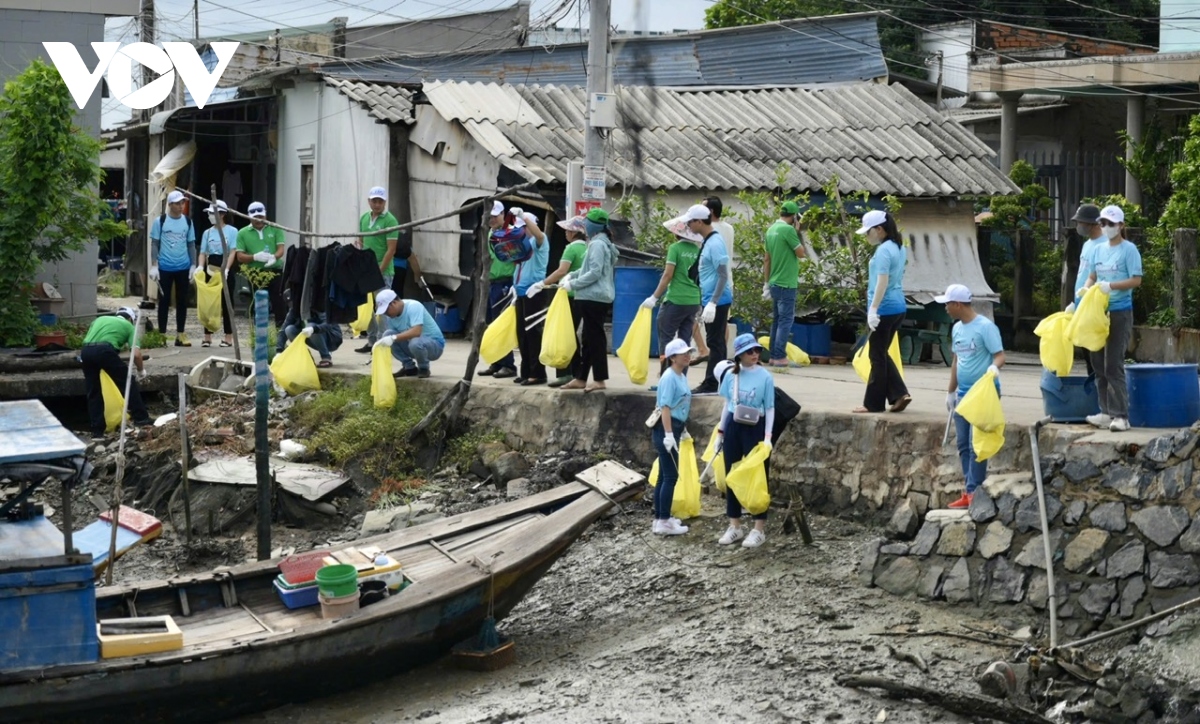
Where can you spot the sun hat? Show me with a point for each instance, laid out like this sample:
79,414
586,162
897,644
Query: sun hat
954,293
744,343
257,209
575,223
174,197
1113,214
871,219
678,227
383,300
377,192
221,206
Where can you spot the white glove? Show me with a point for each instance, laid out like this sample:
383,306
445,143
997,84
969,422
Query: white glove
565,283
1106,287
1071,308
994,370
720,443
141,374
153,273
535,289
770,447
766,291
685,435
670,444
951,401
308,331
529,219
386,341
192,272
424,285
517,212
265,257
710,313
873,319
650,301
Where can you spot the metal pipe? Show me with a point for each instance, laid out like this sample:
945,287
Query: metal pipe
262,450
1052,598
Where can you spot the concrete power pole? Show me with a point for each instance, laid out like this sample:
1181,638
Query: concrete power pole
146,35
594,177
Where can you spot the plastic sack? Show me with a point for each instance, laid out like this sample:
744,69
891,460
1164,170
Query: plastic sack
986,444
383,385
717,460
208,299
794,354
635,350
862,359
1055,349
685,501
981,407
748,480
500,337
294,369
114,402
1089,323
365,312
558,338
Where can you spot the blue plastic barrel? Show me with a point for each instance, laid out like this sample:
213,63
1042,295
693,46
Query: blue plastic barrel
815,339
1163,395
1068,399
634,284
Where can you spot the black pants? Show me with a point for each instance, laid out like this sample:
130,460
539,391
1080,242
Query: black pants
574,363
226,323
97,357
714,337
885,384
593,354
530,341
180,282
399,274
277,307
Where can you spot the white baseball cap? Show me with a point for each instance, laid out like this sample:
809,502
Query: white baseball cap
1113,214
174,197
720,369
954,293
677,346
221,206
383,300
257,209
698,212
871,219
377,192
497,208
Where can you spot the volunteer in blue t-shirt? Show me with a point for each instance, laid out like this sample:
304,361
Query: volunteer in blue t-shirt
977,349
173,264
885,311
411,332
716,293
1116,265
528,273
674,402
213,254
748,389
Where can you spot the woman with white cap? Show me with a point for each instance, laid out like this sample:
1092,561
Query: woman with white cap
748,419
213,253
885,311
674,402
1116,265
575,229
173,250
679,285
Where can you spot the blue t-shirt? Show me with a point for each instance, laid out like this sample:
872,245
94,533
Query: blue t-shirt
533,269
712,256
889,258
1116,264
210,243
1084,268
673,392
974,345
175,238
756,388
414,314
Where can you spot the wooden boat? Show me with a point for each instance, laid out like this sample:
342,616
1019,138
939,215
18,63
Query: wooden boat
244,651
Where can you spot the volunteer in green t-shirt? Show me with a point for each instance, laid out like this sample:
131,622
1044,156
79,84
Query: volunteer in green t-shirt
261,247
781,272
571,261
101,353
679,288
392,255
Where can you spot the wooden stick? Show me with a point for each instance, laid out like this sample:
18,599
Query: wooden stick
226,263
183,444
116,499
969,705
1131,625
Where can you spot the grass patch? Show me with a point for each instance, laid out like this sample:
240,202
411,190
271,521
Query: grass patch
462,450
392,492
111,284
152,339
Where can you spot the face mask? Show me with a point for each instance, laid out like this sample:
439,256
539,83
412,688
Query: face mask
1084,230
212,219
1112,232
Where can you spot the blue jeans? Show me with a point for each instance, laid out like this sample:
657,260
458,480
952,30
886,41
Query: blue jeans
783,303
316,341
498,290
973,471
418,352
668,470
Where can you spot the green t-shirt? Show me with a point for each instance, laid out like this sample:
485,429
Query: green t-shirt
117,331
250,242
683,289
500,269
781,242
574,253
378,242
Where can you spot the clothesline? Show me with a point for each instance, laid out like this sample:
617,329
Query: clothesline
373,232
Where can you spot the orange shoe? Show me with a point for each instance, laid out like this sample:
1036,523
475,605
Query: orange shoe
963,502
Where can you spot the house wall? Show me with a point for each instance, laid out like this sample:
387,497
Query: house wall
1004,38
954,41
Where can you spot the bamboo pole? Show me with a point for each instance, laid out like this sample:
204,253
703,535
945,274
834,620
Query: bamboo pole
183,444
116,499
262,450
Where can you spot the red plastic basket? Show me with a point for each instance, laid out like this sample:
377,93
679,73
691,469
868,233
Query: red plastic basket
302,567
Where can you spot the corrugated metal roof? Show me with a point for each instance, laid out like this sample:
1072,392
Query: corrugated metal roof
392,104
834,49
874,137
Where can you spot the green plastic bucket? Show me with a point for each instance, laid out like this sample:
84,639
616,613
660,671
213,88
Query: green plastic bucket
336,581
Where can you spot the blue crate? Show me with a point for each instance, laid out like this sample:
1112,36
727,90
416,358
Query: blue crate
297,597
47,615
446,316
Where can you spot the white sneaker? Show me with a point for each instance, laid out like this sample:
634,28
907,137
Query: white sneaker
1119,424
732,535
670,527
656,529
1099,420
755,539
676,521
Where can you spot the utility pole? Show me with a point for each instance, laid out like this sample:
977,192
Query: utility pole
594,176
196,19
146,35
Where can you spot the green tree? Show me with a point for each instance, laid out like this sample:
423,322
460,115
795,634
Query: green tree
49,191
1020,217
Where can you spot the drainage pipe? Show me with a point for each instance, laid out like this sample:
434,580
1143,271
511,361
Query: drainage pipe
1052,598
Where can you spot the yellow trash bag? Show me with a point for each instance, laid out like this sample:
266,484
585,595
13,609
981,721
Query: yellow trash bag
1089,323
1055,349
635,350
558,338
294,369
208,299
500,337
981,407
685,501
365,312
717,460
114,402
862,359
748,480
794,354
383,385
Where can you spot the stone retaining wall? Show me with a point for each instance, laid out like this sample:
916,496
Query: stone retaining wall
1123,530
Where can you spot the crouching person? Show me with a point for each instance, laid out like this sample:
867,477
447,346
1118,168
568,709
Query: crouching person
411,332
101,352
322,337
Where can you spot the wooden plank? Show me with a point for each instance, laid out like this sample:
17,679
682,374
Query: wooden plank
28,431
443,551
610,478
453,544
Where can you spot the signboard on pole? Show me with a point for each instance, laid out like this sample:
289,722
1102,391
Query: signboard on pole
593,183
582,207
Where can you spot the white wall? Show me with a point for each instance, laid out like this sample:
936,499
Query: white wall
955,41
1179,26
